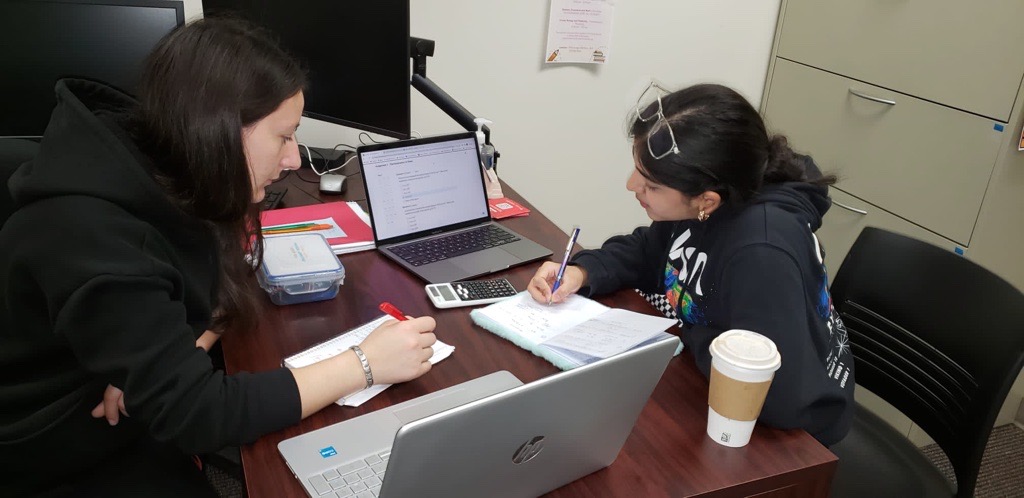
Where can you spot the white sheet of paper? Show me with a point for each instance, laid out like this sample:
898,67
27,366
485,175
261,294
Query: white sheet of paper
538,322
579,31
353,337
335,346
363,215
611,333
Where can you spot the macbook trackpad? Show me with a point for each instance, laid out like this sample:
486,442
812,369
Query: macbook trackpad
485,261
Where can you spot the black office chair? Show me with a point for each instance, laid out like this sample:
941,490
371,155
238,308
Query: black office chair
942,340
13,152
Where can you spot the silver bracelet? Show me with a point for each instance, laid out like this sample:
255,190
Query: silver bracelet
366,365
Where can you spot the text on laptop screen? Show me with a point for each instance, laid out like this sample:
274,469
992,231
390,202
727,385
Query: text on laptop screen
423,187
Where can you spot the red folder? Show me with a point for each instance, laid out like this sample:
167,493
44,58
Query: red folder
358,235
506,208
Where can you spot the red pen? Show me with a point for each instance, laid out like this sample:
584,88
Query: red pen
392,310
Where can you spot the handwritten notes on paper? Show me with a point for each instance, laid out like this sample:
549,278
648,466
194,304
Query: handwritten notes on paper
610,333
340,344
538,322
579,329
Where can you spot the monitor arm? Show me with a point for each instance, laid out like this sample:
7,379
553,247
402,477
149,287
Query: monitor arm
419,50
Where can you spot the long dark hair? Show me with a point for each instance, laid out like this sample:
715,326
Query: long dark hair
723,144
201,85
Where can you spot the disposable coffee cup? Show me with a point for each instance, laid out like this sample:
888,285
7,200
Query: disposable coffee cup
743,364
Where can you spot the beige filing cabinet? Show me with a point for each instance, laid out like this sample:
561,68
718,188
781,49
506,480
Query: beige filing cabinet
917,107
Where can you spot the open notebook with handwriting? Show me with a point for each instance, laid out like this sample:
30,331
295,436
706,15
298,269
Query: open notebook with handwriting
572,333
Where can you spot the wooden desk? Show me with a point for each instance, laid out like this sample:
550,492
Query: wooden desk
668,453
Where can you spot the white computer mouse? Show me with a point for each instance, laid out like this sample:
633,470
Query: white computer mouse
332,184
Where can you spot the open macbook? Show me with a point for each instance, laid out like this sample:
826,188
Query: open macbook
428,209
492,436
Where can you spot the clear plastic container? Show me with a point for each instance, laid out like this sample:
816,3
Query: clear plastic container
300,268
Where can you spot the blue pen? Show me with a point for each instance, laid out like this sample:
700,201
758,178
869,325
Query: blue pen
565,261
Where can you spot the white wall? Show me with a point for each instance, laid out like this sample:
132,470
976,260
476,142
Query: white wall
560,129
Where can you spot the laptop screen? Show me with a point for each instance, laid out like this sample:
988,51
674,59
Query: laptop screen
418,187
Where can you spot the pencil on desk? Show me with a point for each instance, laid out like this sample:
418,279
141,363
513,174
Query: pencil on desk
310,228
290,225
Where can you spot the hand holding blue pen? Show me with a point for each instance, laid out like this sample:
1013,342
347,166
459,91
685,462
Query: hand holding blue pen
565,261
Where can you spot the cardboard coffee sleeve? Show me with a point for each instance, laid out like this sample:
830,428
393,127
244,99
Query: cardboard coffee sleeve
736,399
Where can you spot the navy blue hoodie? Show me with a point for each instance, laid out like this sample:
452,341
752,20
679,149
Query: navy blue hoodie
757,267
103,280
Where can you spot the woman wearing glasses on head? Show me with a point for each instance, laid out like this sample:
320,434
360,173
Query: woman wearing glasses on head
731,246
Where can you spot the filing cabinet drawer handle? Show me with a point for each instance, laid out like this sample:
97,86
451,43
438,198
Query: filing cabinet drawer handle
872,98
849,208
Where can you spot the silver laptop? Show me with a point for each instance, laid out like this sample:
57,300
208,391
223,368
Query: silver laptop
428,209
492,436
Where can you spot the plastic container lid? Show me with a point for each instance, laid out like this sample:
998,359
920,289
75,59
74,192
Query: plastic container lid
746,349
299,264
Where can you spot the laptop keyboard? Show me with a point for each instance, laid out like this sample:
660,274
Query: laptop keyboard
358,479
272,198
441,248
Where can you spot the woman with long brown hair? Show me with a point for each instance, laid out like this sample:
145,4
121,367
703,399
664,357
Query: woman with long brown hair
126,258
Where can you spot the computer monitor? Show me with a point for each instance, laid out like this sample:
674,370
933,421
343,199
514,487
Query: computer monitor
44,40
356,53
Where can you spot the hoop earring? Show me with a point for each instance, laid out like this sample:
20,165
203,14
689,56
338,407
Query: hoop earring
702,216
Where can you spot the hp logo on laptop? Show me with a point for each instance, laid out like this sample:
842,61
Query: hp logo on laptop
528,450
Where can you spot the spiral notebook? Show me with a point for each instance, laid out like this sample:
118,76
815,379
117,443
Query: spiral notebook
573,333
339,344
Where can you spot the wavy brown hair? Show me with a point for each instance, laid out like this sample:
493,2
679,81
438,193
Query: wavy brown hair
202,84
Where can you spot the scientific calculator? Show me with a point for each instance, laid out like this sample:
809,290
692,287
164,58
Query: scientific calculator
470,292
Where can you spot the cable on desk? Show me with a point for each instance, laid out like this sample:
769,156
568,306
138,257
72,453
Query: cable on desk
368,137
364,138
309,156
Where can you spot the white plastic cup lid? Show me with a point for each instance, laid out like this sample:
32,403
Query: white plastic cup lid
747,350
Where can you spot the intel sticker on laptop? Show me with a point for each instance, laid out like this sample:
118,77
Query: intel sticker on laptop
328,452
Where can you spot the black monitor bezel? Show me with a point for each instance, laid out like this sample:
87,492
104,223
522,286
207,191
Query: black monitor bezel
406,101
177,5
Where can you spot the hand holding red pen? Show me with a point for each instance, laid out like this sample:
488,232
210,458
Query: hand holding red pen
400,350
393,311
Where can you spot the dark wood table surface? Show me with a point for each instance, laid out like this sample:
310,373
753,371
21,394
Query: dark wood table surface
667,454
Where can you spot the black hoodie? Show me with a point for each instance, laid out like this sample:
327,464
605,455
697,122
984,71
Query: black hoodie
104,281
760,268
